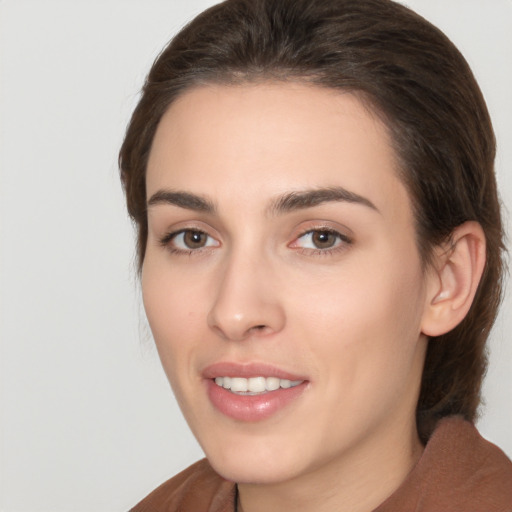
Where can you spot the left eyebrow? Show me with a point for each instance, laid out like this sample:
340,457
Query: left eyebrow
302,199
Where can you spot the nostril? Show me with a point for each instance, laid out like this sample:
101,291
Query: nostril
258,329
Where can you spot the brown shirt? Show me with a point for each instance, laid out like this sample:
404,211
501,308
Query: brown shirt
459,471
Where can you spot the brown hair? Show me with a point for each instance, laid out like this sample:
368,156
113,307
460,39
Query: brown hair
415,79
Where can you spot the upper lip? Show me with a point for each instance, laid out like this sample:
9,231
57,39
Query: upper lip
254,369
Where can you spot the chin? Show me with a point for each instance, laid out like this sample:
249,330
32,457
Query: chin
255,464
247,471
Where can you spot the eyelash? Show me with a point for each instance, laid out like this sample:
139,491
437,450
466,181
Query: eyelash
166,240
343,242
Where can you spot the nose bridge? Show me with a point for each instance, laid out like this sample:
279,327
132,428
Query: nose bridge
246,301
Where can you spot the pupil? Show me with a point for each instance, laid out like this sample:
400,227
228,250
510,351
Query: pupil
194,239
323,239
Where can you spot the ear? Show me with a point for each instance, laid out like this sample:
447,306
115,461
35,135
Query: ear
454,279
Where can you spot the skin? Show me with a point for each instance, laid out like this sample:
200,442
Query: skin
349,318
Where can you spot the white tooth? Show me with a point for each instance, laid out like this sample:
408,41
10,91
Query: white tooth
256,384
285,383
272,383
296,382
238,384
219,381
227,383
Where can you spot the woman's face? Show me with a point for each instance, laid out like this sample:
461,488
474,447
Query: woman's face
281,263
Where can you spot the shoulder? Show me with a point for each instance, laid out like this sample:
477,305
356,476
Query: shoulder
198,487
458,471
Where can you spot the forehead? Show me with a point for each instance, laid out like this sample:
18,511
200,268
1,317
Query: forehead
259,140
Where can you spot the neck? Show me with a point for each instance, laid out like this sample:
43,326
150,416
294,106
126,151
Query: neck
356,482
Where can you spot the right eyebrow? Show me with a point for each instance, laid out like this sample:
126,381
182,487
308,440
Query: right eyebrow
183,200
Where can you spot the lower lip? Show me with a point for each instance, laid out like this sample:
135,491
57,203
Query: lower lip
252,408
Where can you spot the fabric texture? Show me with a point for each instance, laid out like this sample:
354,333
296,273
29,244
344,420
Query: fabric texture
459,471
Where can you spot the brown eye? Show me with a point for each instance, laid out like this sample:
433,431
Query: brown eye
324,239
188,240
321,240
195,239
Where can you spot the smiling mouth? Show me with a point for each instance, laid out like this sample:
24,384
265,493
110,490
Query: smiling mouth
254,385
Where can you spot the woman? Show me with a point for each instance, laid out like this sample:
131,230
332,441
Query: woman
319,239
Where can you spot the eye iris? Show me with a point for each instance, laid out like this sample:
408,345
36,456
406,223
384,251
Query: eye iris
324,239
194,239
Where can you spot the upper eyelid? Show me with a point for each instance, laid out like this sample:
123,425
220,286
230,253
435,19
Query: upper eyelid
321,228
173,233
182,226
342,230
343,237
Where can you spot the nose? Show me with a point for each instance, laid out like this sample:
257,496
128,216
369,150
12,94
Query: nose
246,303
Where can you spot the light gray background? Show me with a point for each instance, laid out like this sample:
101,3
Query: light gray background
88,422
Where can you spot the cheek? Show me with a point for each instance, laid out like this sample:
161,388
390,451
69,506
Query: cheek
364,318
170,297
174,315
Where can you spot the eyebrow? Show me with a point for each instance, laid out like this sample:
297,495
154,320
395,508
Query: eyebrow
300,200
292,201
183,200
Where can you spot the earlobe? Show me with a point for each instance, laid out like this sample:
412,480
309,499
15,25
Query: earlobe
454,279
